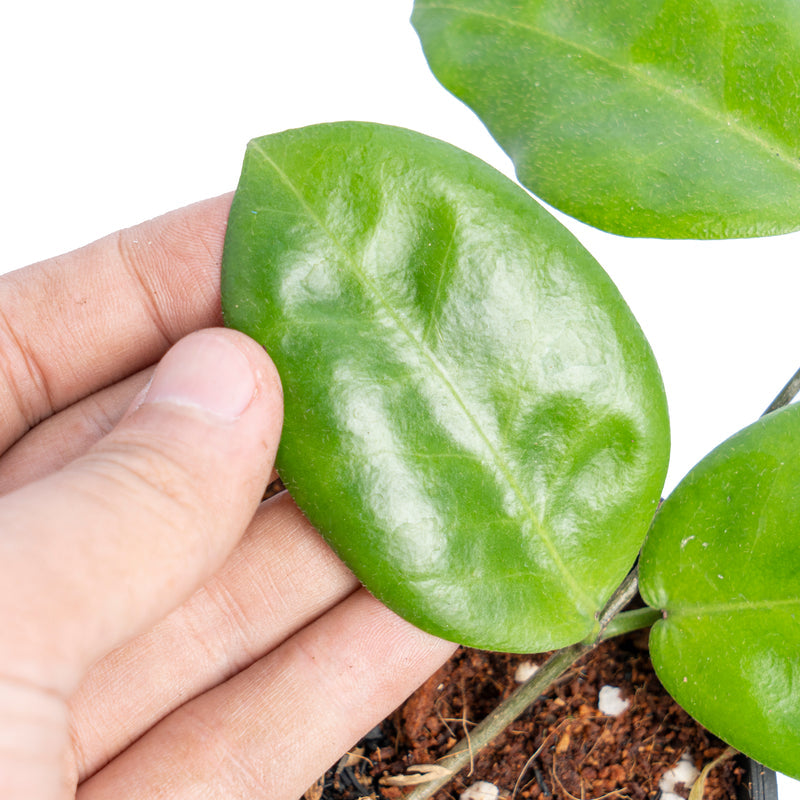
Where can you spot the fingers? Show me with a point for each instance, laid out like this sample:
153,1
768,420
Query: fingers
76,323
280,578
267,731
128,531
52,444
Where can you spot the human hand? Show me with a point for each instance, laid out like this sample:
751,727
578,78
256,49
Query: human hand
164,633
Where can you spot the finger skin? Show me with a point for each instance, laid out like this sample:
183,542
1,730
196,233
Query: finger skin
74,324
102,549
270,731
125,533
62,438
33,743
280,578
71,433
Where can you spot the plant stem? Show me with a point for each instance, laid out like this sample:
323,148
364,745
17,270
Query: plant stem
495,723
786,395
624,593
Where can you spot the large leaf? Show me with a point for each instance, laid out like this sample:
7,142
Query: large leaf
723,562
473,417
668,118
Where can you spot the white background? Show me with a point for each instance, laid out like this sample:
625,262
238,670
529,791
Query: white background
115,112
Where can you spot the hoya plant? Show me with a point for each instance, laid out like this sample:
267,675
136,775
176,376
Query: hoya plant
474,419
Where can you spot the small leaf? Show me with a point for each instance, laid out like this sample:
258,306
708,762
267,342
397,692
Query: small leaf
699,786
722,560
472,413
667,118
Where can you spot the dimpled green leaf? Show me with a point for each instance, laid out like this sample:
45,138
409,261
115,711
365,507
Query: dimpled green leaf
723,561
666,118
474,419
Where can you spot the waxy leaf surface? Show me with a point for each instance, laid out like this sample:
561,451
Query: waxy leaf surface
665,118
474,419
723,562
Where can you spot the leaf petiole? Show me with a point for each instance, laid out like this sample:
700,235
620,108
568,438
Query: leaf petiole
786,394
634,620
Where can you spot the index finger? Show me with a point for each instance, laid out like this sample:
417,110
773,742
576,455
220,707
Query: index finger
76,323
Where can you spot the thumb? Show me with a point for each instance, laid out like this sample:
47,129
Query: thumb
94,554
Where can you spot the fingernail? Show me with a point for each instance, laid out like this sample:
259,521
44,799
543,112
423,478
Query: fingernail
205,371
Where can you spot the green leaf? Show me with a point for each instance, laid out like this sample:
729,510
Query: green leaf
472,413
666,118
722,560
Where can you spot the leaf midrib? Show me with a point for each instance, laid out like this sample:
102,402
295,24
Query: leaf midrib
683,611
724,121
500,462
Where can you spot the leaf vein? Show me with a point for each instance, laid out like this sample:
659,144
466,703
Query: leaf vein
723,120
734,607
439,369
